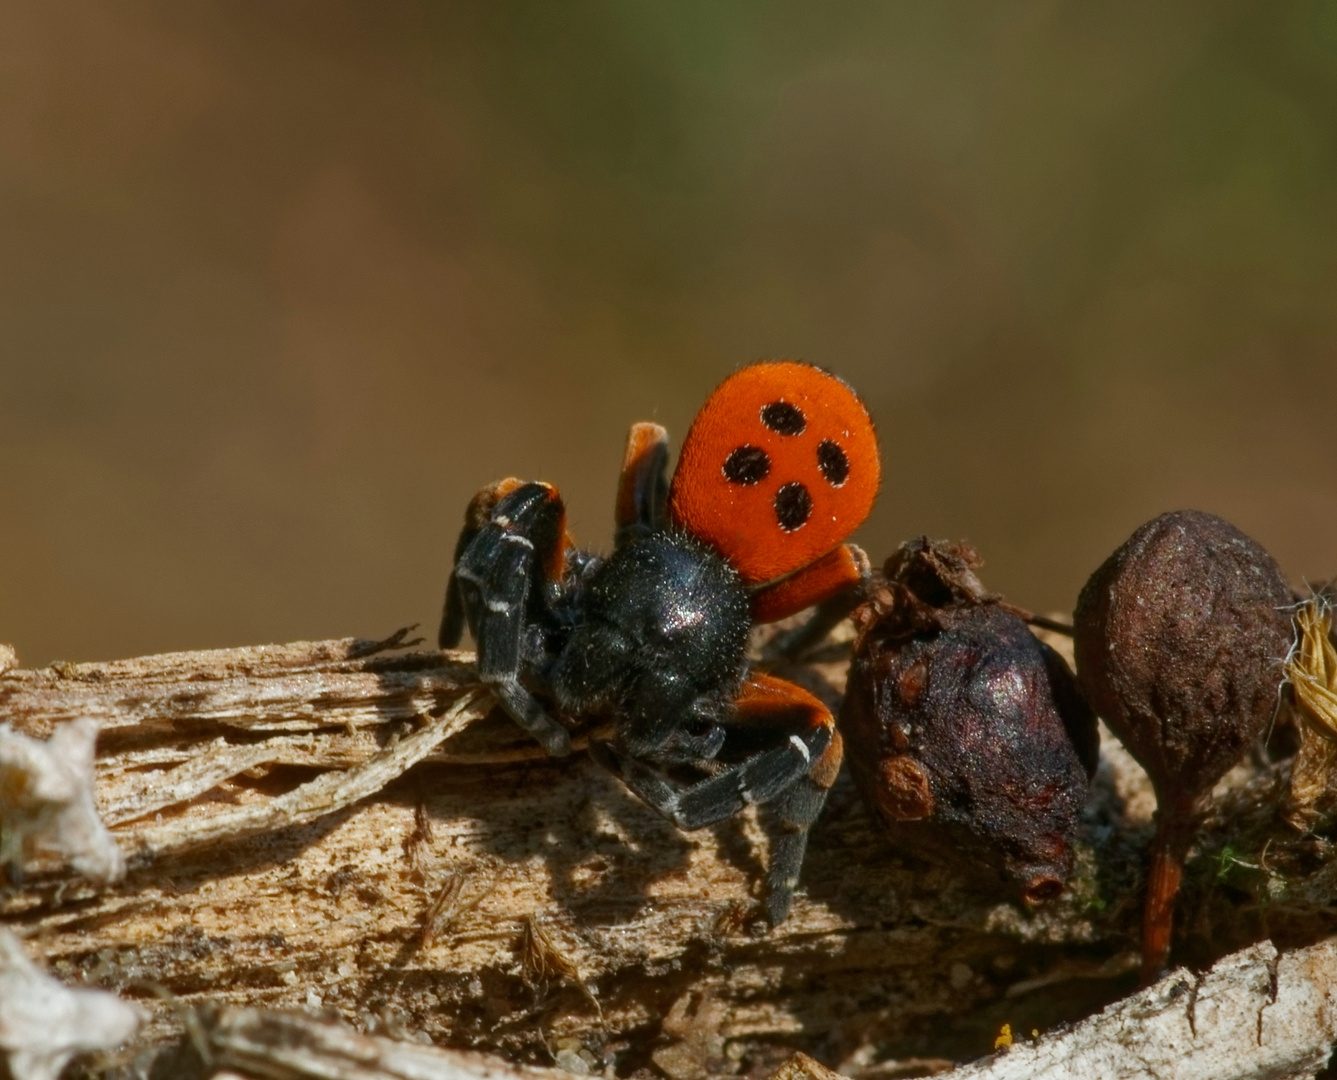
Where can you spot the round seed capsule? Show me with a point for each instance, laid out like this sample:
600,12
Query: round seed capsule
1180,638
966,734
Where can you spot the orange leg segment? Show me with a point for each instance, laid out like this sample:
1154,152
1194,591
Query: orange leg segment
477,515
839,571
789,774
642,487
771,702
479,510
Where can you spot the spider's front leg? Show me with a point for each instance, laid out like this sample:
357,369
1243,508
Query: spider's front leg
792,778
510,557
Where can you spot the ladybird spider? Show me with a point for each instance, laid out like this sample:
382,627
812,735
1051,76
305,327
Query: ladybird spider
778,468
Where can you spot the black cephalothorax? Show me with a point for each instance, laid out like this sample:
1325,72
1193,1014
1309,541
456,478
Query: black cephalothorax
660,643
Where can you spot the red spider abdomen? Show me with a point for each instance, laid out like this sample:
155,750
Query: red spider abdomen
779,467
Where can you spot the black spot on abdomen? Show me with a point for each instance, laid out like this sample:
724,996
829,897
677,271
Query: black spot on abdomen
747,465
784,418
832,461
793,506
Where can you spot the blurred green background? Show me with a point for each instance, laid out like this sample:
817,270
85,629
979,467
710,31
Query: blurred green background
281,284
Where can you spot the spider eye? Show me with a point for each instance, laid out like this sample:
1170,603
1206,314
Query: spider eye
832,461
747,465
784,418
793,505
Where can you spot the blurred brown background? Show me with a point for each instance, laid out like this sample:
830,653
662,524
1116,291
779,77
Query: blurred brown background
281,284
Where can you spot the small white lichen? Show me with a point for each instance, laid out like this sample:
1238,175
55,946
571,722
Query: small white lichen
46,802
44,1023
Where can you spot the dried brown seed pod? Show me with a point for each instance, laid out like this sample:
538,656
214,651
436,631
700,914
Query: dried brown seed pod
1180,638
965,733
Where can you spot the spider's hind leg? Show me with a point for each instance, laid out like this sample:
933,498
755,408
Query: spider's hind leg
833,587
792,816
511,553
792,779
642,490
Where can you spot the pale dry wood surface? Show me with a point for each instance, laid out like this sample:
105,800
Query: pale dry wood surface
495,899
1255,1013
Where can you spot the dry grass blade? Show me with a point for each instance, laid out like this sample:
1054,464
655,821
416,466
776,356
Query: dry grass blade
542,962
1311,670
450,905
1312,667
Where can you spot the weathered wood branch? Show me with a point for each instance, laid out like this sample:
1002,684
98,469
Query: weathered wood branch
1255,1014
490,897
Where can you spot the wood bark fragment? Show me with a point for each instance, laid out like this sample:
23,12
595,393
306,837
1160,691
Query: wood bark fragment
288,1047
405,910
43,1024
325,794
47,804
1255,1013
